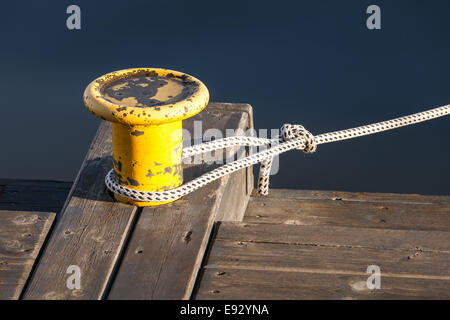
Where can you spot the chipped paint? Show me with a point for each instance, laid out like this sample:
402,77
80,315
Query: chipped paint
137,133
178,170
168,170
133,182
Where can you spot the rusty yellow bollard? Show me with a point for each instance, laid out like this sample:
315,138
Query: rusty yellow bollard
146,107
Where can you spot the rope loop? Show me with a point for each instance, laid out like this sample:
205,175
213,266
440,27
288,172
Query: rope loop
292,131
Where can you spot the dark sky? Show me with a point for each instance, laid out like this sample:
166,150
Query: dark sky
308,62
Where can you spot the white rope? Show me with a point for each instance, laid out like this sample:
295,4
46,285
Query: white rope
292,137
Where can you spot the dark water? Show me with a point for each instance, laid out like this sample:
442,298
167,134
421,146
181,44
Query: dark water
308,62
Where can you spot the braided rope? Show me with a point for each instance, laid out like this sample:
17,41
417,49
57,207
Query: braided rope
291,137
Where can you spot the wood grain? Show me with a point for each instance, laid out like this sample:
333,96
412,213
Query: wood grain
276,261
274,285
21,237
437,241
351,209
357,196
414,263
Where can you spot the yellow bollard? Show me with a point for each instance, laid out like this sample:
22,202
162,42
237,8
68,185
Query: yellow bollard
146,107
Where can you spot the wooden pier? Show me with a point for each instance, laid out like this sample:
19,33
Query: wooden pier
221,241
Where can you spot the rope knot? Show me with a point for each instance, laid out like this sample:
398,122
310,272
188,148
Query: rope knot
292,131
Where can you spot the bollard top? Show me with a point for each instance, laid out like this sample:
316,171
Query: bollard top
144,96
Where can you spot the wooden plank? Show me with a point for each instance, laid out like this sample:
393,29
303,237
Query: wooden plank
21,237
168,244
371,211
275,285
237,187
241,183
33,195
386,198
437,241
263,261
90,232
323,259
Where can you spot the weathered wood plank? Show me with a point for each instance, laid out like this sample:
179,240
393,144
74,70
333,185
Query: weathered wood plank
21,237
89,233
168,244
371,210
226,283
438,241
240,185
264,261
236,196
386,198
280,257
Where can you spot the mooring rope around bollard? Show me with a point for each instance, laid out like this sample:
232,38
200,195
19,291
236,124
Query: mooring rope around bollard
291,137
